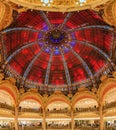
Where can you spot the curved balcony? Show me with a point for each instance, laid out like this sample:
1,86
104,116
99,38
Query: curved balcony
91,109
30,110
110,128
6,128
86,128
60,112
110,105
6,106
30,128
56,126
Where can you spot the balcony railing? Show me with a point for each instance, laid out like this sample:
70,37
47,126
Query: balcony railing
6,106
111,128
30,110
109,105
92,109
59,127
7,128
86,128
58,111
30,128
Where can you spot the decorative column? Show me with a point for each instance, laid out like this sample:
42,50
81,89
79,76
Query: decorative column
16,117
44,119
72,119
101,117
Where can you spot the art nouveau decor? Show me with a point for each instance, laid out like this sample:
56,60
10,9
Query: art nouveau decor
57,67
83,110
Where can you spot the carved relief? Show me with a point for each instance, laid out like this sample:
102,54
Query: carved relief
110,13
59,5
106,86
5,15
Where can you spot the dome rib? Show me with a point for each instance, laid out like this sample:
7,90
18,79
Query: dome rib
101,52
66,19
66,70
52,50
86,67
21,29
90,26
21,48
31,64
46,19
48,69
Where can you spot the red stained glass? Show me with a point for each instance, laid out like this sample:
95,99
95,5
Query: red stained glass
57,63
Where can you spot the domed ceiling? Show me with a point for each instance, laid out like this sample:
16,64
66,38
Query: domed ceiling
51,50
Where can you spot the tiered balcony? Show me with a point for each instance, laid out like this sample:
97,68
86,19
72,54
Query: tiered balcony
6,106
59,112
91,109
110,128
7,128
110,105
86,128
86,112
30,128
6,110
30,110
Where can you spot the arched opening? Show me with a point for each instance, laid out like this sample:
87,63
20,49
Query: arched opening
86,113
58,115
30,111
6,98
109,109
6,110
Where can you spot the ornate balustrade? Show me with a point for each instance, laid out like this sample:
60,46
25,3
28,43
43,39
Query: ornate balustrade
30,110
58,111
30,128
92,109
109,105
6,106
58,127
7,128
86,128
111,128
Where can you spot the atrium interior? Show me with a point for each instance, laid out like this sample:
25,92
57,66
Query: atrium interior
57,64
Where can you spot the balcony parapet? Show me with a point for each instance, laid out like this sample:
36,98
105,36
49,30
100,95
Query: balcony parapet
109,105
6,106
92,109
30,110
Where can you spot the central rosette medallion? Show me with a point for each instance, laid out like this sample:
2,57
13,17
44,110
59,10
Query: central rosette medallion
56,37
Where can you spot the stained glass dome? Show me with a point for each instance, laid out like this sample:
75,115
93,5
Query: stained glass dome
53,50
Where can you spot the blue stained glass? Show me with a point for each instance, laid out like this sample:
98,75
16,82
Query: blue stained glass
40,35
47,50
45,28
40,43
72,44
56,52
66,49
